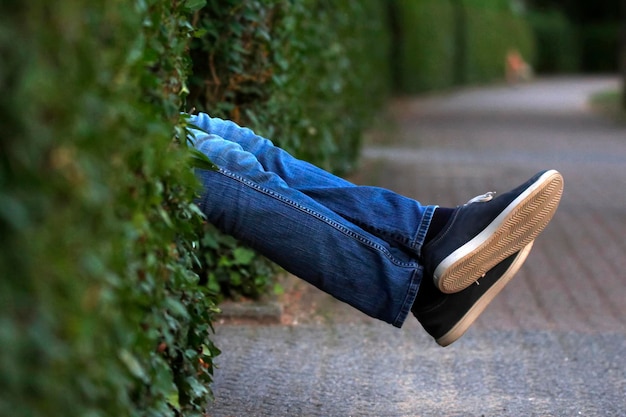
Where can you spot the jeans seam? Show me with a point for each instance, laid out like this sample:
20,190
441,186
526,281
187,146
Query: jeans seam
420,236
411,294
320,217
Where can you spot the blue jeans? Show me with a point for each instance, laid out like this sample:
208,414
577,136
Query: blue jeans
359,244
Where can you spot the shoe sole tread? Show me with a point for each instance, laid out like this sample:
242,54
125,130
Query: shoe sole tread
481,304
516,226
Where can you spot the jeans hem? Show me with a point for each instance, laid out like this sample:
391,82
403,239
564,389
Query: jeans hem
411,294
418,242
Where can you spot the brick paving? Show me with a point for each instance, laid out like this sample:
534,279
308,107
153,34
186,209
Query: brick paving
554,341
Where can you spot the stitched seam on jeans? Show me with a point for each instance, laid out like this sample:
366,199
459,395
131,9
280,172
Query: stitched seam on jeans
422,231
409,299
324,219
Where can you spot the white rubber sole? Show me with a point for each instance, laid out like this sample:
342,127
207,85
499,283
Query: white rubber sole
514,228
481,304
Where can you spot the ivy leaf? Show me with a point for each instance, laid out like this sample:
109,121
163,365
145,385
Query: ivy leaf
173,399
209,241
278,289
243,256
133,365
176,307
166,217
198,390
13,212
196,210
201,161
194,5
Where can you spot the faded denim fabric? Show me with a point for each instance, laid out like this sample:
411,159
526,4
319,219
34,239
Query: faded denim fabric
360,244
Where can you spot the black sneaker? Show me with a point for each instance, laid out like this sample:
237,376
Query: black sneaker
487,230
446,317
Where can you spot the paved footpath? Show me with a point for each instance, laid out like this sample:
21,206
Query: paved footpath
552,344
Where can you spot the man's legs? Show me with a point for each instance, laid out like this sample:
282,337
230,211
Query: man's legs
367,270
305,237
463,243
383,213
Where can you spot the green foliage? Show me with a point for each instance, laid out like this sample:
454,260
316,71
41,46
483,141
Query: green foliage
231,71
600,46
445,43
427,44
100,314
577,35
490,5
333,79
308,74
311,84
609,103
490,32
232,270
558,47
231,60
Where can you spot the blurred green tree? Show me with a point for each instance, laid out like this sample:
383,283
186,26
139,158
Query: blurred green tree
623,53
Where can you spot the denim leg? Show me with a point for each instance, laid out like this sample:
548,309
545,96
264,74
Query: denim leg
305,237
381,212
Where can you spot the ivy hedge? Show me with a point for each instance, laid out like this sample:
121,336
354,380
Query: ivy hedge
103,310
599,43
558,42
426,32
100,314
442,43
310,74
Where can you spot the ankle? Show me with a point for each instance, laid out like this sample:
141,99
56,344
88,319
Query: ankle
440,218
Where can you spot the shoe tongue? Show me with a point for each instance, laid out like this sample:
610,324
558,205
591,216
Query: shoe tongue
483,198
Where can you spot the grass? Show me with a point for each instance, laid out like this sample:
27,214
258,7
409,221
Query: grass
608,103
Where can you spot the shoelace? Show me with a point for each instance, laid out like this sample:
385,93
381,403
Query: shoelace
483,198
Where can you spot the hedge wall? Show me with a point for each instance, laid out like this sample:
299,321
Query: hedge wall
491,30
427,51
444,43
99,312
557,42
600,43
566,47
309,74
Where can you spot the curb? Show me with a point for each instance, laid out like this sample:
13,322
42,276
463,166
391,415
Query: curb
250,312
